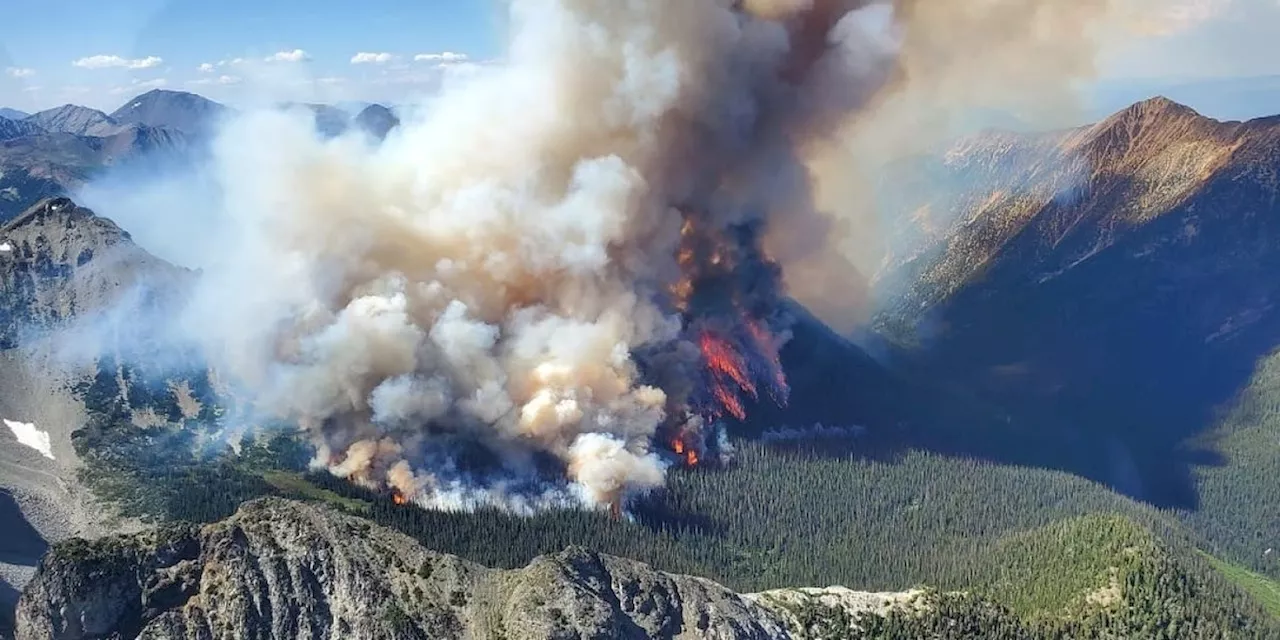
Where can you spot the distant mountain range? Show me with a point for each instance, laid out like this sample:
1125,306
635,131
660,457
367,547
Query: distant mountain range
57,150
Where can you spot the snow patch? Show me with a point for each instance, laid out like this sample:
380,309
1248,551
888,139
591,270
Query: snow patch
5,247
29,435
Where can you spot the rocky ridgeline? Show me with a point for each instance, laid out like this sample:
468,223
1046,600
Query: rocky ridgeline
285,569
59,260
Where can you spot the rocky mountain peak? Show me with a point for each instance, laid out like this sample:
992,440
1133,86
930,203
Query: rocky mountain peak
60,217
59,260
75,119
1158,107
285,569
177,110
377,120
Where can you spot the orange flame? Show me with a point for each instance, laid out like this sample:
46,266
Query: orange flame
739,352
398,497
725,361
685,451
766,345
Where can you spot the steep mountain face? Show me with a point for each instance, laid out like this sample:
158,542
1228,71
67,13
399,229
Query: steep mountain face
282,569
1109,285
59,264
377,120
76,120
62,261
17,128
177,110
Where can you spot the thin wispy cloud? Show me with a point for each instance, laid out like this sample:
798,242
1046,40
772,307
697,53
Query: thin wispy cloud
223,80
444,57
365,57
297,55
20,72
1180,16
206,67
117,62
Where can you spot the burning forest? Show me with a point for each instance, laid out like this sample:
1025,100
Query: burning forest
564,274
555,283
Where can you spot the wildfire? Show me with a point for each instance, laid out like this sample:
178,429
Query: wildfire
685,451
726,294
398,497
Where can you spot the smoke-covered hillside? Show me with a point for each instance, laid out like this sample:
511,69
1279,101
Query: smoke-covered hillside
59,151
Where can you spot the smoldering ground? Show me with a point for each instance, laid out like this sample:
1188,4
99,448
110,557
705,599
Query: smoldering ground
489,273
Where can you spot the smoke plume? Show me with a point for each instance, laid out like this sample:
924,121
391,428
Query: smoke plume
554,279
555,273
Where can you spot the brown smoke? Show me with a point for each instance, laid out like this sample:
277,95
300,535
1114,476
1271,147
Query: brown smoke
460,313
954,63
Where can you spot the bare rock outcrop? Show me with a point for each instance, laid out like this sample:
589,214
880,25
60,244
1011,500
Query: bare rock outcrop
285,569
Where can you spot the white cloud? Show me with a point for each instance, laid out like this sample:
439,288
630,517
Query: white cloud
365,57
297,55
206,67
444,57
222,80
107,62
20,72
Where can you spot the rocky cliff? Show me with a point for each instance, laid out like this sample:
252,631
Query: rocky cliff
59,260
61,267
283,569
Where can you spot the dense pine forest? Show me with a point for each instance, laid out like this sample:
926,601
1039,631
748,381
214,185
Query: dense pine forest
1014,551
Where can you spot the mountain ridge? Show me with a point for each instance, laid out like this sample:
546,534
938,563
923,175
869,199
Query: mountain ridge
357,581
1109,287
189,113
76,120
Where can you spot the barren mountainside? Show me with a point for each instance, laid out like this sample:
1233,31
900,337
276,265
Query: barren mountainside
280,569
76,120
176,110
60,261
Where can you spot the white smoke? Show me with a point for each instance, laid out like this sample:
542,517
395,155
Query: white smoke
487,273
456,312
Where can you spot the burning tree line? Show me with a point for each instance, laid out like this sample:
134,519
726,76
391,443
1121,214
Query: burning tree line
728,300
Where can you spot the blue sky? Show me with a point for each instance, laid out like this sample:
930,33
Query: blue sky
124,45
101,53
